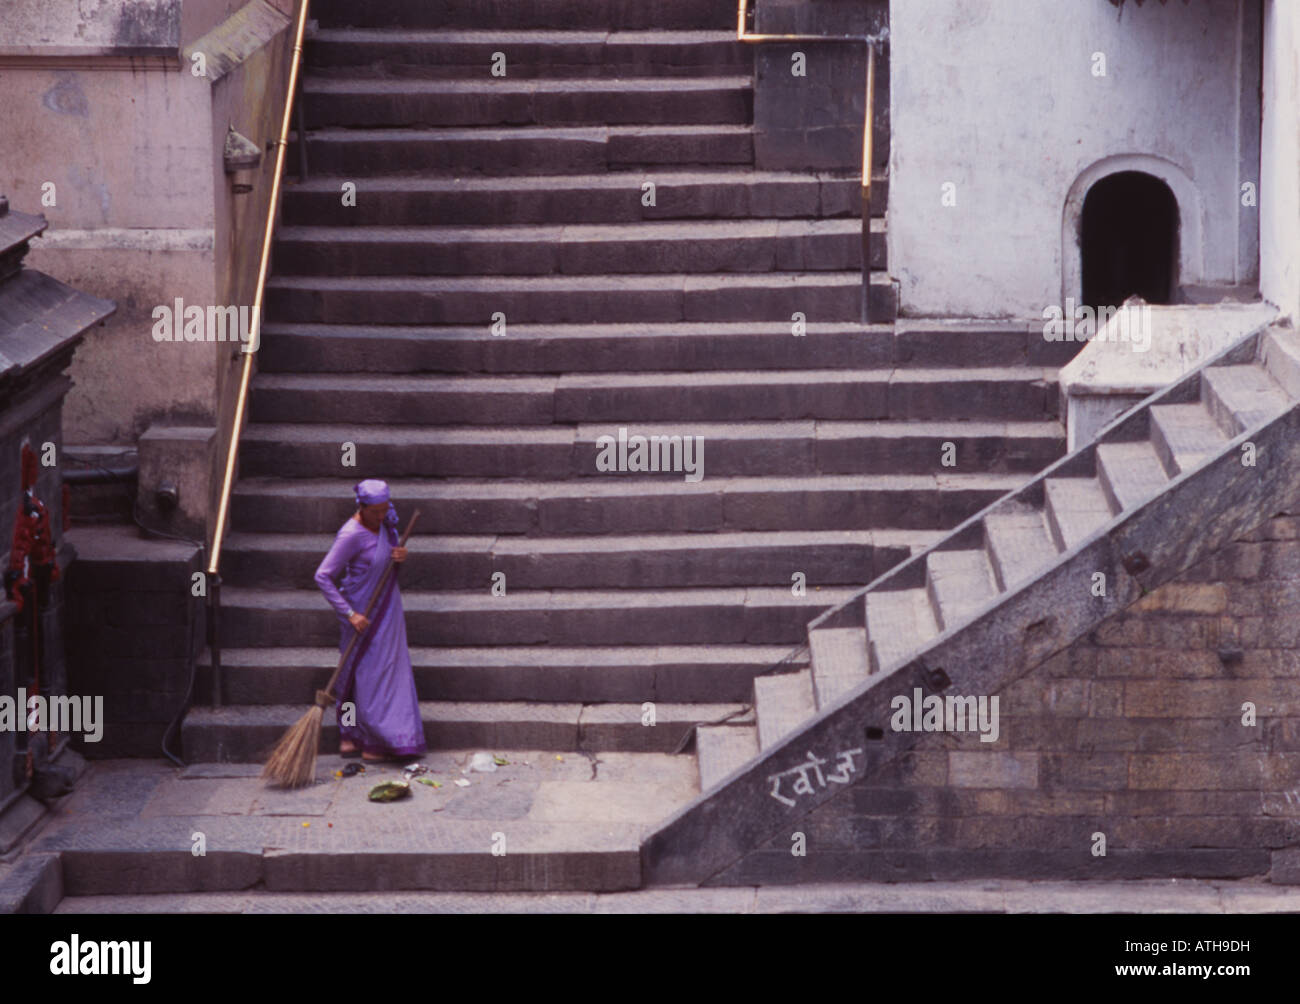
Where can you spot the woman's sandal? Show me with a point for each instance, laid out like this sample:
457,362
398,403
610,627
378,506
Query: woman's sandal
354,752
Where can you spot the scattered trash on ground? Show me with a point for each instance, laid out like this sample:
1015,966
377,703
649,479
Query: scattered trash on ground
461,783
389,791
350,770
500,761
430,782
484,763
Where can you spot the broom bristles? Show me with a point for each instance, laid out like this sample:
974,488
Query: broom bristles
292,763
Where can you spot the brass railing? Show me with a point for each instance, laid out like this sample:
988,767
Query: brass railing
868,115
250,349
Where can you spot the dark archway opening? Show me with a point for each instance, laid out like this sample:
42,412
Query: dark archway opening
1128,238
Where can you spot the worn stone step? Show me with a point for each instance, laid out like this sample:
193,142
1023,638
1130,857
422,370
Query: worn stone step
139,856
618,248
712,396
577,348
699,674
626,506
517,150
659,298
960,584
700,193
332,102
734,449
511,15
948,342
782,703
836,557
1280,354
1019,545
1129,473
1076,508
528,54
763,615
1184,436
721,749
840,662
1241,397
899,622
246,733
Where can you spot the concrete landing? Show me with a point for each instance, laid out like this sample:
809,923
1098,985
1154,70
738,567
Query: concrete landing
543,822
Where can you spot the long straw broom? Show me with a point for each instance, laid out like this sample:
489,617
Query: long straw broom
292,763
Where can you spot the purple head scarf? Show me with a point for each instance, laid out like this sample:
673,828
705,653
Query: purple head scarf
372,491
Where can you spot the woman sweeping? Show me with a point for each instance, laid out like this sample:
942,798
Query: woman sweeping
377,679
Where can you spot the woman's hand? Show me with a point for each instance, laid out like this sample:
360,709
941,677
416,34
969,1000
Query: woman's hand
399,554
359,621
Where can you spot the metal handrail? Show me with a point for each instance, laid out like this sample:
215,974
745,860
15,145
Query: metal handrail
254,341
868,116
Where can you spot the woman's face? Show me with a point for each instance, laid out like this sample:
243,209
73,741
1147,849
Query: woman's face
372,516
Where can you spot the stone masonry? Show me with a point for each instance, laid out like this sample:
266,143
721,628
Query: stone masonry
1135,732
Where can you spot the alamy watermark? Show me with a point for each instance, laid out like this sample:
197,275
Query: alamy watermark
1082,323
180,323
683,454
953,713
57,713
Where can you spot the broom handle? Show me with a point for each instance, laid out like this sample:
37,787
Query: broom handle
374,597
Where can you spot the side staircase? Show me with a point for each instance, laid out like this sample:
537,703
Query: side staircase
1164,485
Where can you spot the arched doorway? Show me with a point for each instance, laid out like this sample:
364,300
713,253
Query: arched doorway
1129,240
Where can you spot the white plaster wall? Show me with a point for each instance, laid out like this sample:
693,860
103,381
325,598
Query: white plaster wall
1279,250
999,98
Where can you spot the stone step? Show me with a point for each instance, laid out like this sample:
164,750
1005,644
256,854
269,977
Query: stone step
618,248
1019,546
960,584
1280,353
333,102
899,622
714,396
836,557
686,674
637,347
1184,436
840,662
1241,397
246,733
1076,509
738,449
720,749
520,150
820,296
610,505
528,54
781,704
701,194
949,342
1129,473
761,615
511,15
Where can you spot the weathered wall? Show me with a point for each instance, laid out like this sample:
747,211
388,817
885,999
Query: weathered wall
1000,100
134,631
1135,732
1279,239
144,211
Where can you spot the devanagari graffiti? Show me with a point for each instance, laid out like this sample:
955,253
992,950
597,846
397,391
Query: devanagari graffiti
845,768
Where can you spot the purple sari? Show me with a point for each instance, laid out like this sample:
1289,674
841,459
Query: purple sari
378,676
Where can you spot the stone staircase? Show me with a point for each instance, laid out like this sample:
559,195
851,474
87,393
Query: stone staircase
1164,485
522,196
